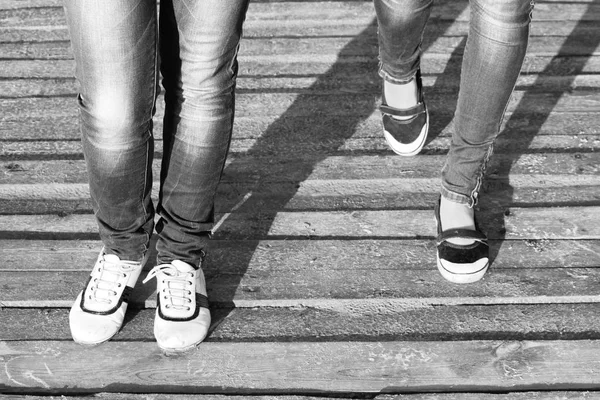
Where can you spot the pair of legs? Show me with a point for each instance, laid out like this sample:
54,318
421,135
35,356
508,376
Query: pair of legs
493,56
119,48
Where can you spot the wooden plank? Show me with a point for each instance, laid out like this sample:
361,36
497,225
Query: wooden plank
337,321
17,4
352,58
404,288
312,11
292,256
342,194
23,4
351,104
31,32
42,150
380,367
348,83
518,125
264,257
319,50
545,395
569,223
579,44
254,169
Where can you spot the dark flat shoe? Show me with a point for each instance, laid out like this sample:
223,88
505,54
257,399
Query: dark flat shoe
406,137
461,263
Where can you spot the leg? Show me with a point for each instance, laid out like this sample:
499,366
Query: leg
401,24
405,117
199,69
494,54
199,44
114,43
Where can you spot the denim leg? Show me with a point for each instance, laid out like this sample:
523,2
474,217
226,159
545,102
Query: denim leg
114,43
199,45
401,24
494,53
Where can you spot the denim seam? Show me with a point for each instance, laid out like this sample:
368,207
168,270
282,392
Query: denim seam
475,192
150,134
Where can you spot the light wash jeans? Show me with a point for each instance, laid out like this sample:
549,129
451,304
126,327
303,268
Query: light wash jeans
117,51
494,53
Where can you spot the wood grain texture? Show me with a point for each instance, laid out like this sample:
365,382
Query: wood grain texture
381,367
567,223
505,144
405,287
287,256
322,321
546,395
255,168
338,82
332,195
519,126
323,281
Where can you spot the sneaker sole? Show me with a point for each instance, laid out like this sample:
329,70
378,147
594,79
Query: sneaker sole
393,143
461,278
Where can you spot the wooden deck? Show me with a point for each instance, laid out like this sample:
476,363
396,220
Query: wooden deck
322,277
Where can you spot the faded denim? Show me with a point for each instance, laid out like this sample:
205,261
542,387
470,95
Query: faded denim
117,47
494,54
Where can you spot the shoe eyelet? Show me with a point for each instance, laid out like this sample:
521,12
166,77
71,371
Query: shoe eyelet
189,300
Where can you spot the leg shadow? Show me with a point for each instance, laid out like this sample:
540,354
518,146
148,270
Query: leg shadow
296,152
523,125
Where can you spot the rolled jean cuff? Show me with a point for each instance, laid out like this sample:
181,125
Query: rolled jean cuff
456,197
391,79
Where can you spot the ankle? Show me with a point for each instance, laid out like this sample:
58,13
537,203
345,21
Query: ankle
401,96
456,216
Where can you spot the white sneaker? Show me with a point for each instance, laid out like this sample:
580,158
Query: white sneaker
98,311
182,315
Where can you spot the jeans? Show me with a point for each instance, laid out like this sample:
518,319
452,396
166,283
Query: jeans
117,47
493,56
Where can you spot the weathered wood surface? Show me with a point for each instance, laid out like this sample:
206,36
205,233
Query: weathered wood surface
301,367
527,223
322,276
546,395
326,321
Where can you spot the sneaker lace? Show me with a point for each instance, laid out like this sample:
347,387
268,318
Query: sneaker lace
174,286
105,287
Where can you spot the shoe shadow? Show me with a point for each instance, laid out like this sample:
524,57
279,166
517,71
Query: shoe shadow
524,124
